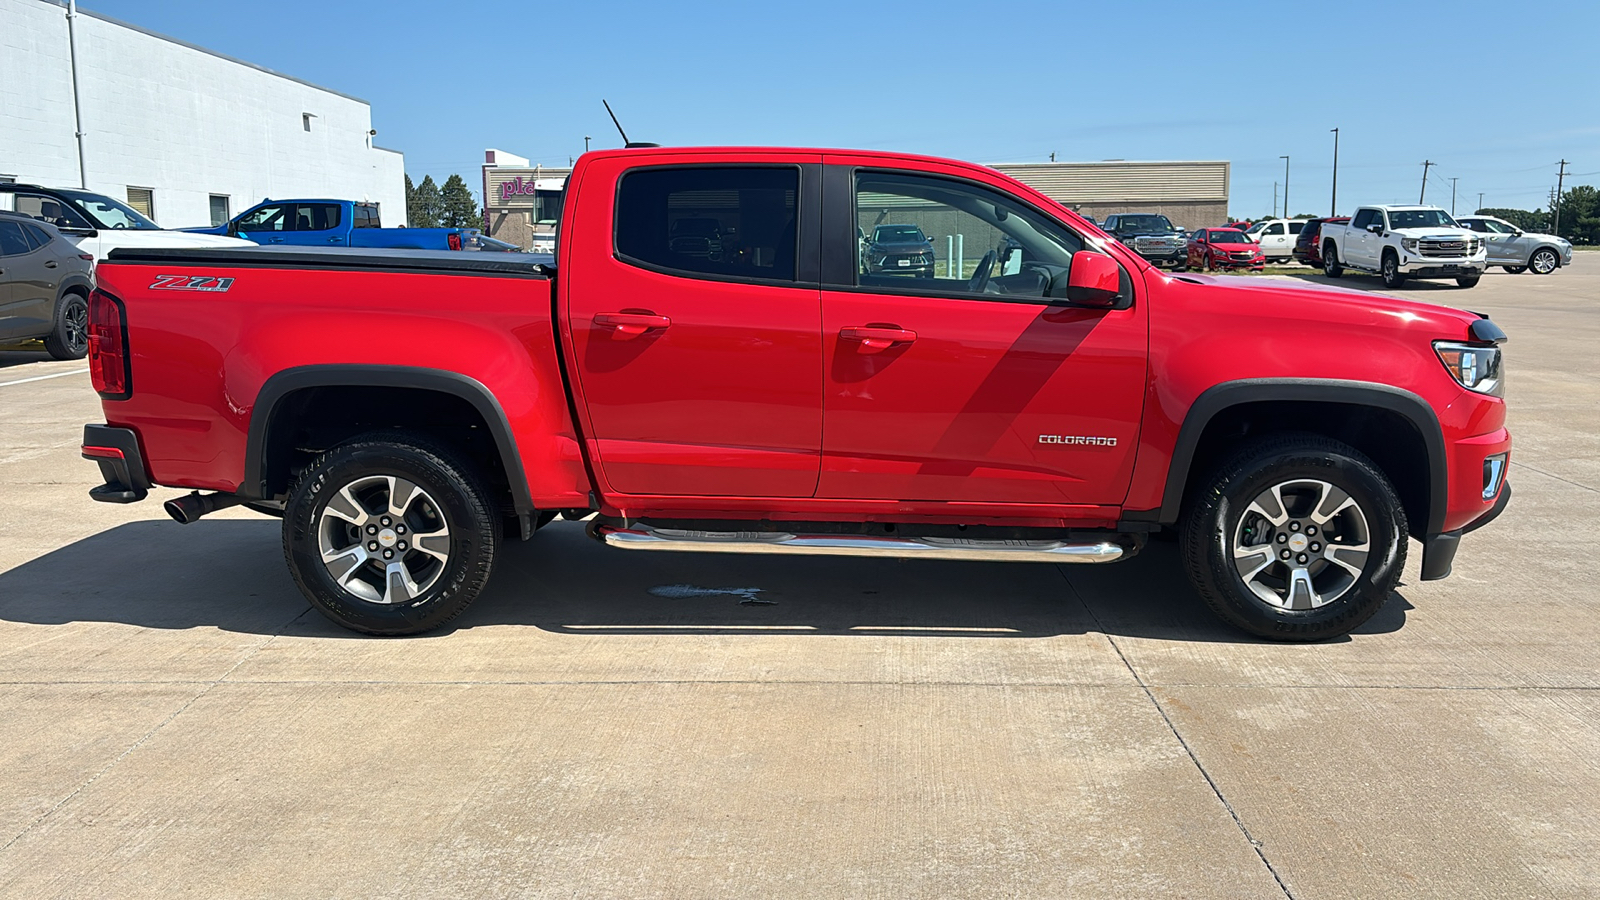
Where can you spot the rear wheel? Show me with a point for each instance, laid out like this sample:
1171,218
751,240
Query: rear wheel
1295,538
389,534
69,339
1516,270
1330,261
1390,270
1544,261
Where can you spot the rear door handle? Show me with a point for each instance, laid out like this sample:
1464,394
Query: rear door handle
877,338
631,323
50,264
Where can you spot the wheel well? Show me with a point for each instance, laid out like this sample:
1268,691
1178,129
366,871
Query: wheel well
1386,437
1330,249
310,420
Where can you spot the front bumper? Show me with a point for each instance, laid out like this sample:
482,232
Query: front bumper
1166,258
1442,267
121,464
1476,494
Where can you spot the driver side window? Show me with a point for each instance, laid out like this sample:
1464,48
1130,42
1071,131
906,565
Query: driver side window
924,234
267,218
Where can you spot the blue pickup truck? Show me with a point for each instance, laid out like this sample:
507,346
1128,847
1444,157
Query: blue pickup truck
330,223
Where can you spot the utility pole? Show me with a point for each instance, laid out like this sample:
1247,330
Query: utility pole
1274,199
1561,176
1333,206
1425,165
1285,186
1452,196
1480,202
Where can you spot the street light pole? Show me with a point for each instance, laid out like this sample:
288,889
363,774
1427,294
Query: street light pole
586,143
1333,207
1452,197
1285,186
1480,202
1426,164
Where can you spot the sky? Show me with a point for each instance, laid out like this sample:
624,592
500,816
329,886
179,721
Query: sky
1493,93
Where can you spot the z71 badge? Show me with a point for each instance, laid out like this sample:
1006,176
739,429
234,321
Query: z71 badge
208,283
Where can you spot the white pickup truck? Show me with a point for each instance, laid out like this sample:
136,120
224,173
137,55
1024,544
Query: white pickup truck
1401,242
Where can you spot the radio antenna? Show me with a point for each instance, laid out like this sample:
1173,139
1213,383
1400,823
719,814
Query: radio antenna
615,122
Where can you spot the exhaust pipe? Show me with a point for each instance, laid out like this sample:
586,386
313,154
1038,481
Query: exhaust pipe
190,507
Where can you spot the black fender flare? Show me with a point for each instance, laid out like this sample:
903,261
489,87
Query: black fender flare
72,284
254,484
1309,390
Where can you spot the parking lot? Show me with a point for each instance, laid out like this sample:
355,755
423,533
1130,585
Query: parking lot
178,721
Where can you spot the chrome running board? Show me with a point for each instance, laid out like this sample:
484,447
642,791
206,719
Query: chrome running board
644,537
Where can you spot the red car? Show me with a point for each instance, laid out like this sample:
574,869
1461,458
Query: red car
1052,398
1224,248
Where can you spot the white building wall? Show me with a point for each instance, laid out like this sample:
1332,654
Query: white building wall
179,120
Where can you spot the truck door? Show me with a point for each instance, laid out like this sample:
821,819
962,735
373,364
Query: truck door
268,223
1358,241
317,225
969,385
690,302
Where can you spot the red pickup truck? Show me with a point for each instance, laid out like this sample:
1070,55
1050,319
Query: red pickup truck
1046,396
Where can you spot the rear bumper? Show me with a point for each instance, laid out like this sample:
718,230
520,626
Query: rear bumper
122,467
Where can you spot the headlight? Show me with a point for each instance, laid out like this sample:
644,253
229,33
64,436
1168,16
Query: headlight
1473,366
1409,244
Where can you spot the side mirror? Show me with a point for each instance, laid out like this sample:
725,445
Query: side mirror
1375,229
1094,280
78,232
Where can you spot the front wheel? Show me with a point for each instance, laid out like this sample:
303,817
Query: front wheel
1544,261
1390,270
1467,281
389,534
1296,537
69,339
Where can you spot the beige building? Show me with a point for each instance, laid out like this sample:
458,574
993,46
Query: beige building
522,202
1191,194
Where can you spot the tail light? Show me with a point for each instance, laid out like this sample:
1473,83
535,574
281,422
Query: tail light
454,241
109,365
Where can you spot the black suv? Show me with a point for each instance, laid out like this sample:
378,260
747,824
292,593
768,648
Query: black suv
1152,236
898,249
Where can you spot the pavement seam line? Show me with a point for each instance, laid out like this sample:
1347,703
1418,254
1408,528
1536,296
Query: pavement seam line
151,733
43,377
1216,790
1522,465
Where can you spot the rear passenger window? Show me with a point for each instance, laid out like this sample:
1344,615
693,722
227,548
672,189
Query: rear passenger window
733,222
35,235
12,243
1296,227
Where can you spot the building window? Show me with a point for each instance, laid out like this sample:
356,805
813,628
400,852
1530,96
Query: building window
219,209
305,120
143,201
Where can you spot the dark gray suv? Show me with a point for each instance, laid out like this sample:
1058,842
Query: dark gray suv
45,282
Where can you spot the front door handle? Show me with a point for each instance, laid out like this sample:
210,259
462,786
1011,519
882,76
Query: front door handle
50,264
274,240
334,240
875,337
631,323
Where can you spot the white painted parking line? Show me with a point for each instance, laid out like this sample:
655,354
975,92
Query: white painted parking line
42,377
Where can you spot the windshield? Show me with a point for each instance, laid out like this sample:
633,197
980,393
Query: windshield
1420,218
110,213
1144,223
1228,236
898,234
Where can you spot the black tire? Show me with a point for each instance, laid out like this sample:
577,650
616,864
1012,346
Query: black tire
1515,270
1330,261
451,493
69,336
1214,519
1389,269
1543,261
1467,281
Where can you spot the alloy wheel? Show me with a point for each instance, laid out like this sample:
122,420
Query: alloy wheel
1543,262
75,325
1301,544
383,539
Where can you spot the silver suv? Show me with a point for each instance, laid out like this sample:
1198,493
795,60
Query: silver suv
1518,250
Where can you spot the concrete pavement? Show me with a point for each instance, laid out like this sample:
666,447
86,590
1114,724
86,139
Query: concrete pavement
174,719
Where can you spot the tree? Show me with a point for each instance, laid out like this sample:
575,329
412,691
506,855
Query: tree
1536,221
424,204
457,209
1580,215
